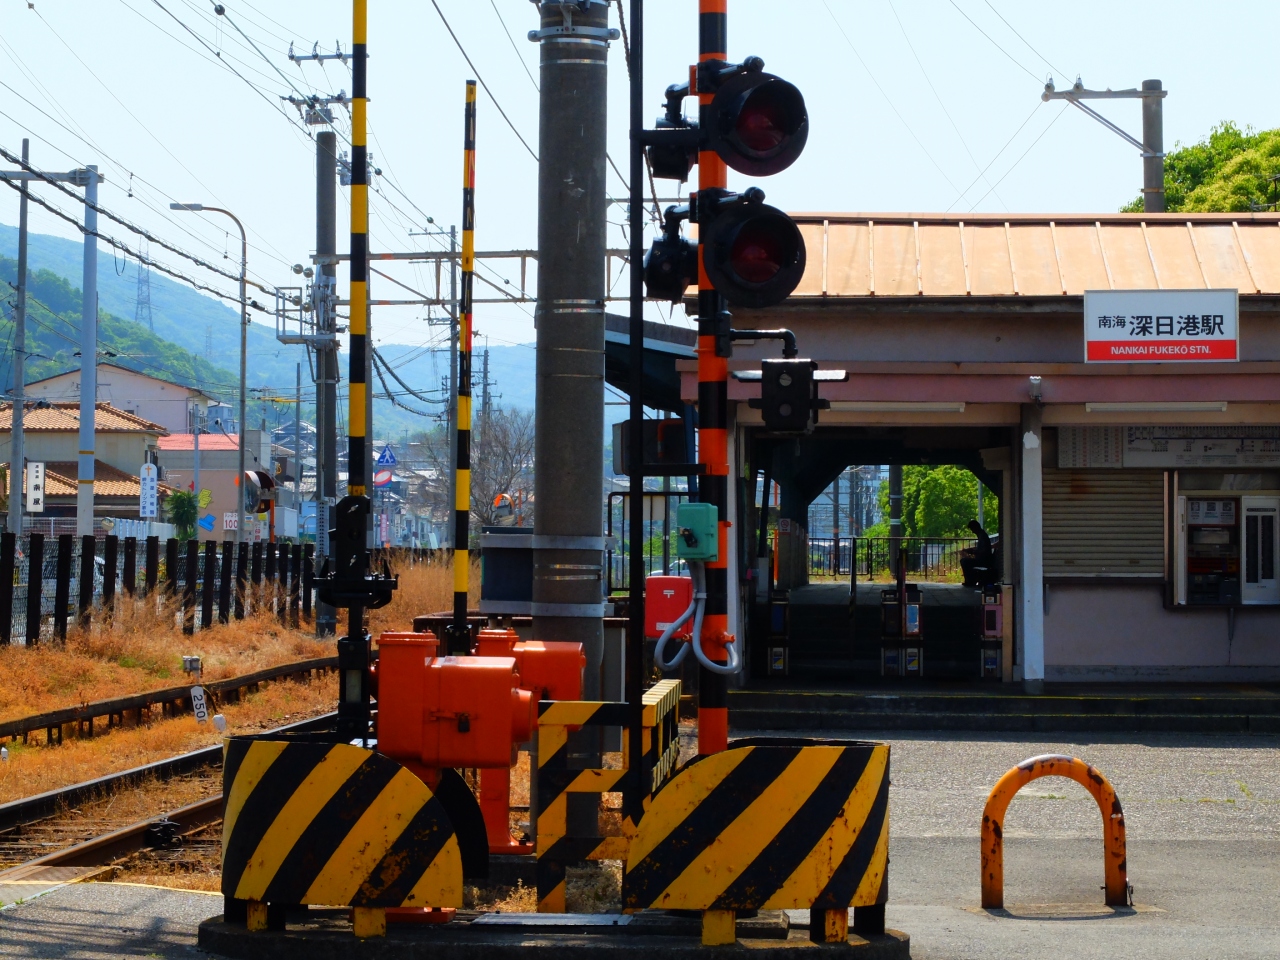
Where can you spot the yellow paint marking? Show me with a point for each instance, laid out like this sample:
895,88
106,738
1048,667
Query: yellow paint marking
680,798
551,737
813,872
441,884
746,838
551,822
369,839
553,902
572,713
295,816
463,500
595,781
260,755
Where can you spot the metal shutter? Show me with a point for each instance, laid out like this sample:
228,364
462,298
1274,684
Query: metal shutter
1103,523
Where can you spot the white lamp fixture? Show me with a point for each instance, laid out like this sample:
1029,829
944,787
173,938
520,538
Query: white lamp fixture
1159,406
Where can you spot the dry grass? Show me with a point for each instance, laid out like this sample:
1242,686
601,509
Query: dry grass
33,769
425,587
141,650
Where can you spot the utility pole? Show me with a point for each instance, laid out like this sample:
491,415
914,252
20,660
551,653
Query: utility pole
1151,146
484,396
323,296
297,442
88,356
195,448
835,522
568,601
17,460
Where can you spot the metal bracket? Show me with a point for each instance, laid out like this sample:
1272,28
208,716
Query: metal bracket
594,33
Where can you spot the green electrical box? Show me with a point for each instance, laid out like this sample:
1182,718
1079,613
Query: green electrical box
697,532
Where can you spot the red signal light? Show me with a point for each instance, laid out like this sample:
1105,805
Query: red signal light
761,124
754,254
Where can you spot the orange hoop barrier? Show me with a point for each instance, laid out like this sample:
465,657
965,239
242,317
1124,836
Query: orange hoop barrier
1053,765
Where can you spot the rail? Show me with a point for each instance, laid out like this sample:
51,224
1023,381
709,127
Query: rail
29,809
55,719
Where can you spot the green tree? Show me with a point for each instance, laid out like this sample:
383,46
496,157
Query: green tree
938,502
184,512
1229,170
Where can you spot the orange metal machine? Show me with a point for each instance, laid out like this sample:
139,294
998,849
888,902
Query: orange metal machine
471,712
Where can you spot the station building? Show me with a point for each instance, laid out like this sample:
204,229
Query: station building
1139,483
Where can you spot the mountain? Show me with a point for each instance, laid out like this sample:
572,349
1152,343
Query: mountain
180,315
53,338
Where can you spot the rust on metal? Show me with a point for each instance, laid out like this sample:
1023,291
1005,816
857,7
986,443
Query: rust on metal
1054,765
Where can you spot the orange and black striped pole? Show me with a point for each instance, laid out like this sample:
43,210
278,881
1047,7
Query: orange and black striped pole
460,641
713,403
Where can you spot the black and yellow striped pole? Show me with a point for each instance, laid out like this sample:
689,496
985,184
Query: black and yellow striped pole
358,449
460,641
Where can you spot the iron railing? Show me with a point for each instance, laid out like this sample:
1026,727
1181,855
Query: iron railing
658,530
927,558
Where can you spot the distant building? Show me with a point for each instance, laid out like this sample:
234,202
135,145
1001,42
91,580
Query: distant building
159,401
219,461
123,443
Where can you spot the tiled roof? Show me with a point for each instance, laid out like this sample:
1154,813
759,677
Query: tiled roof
60,481
208,442
1038,255
65,418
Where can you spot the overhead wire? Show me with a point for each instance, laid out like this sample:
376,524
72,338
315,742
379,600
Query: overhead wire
999,152
924,73
1018,63
1024,153
883,93
462,50
1062,73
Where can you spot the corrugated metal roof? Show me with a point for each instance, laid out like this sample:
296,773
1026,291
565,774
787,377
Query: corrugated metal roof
65,418
1036,255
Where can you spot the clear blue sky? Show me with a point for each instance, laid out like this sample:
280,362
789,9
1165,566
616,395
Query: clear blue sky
910,108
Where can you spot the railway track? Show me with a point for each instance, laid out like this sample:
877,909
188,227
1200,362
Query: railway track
74,827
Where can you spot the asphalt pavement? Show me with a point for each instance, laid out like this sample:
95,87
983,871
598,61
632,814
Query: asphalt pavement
1203,819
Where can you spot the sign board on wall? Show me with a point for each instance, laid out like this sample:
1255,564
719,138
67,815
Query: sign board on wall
149,491
33,493
1211,513
1161,326
1166,447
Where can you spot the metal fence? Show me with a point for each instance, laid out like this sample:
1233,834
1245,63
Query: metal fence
936,559
658,545
48,584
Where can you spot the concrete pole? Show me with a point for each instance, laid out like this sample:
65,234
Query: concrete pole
17,487
1153,153
297,441
88,358
326,361
1032,552
568,534
195,446
895,516
835,524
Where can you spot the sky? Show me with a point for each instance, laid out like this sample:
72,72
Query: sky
915,105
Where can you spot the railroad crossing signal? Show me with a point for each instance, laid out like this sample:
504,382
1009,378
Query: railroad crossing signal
753,253
788,395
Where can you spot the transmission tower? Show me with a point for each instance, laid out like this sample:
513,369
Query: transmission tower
208,342
142,299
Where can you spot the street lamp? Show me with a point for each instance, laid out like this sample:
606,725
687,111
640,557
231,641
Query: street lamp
244,347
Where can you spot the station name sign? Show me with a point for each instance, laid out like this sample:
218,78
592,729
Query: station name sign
1161,326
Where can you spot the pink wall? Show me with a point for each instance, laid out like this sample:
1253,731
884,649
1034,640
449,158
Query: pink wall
1124,632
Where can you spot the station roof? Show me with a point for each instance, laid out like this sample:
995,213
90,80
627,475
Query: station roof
1035,255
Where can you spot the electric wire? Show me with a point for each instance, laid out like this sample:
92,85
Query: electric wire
140,231
1024,153
883,93
1018,63
378,359
924,73
465,57
1061,73
999,152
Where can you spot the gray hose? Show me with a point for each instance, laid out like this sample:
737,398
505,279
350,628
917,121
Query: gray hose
700,595
668,633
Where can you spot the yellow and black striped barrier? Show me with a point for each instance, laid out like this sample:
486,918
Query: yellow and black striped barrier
333,824
767,824
556,850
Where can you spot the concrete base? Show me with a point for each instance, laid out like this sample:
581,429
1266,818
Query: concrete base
326,935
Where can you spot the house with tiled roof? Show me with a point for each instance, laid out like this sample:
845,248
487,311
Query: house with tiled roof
123,442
